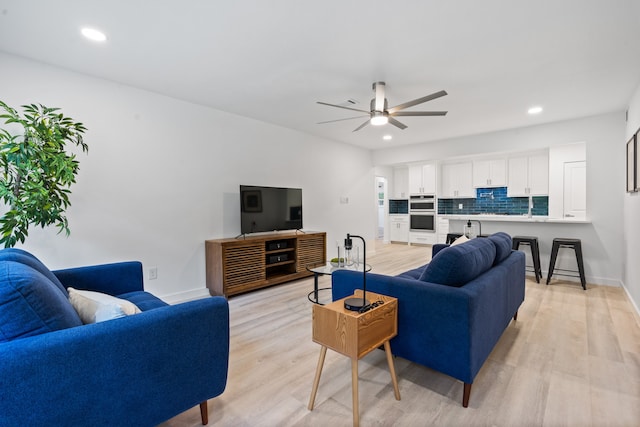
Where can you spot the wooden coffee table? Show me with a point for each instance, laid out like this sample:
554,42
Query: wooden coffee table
354,335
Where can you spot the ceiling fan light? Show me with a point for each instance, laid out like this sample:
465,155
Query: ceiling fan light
379,119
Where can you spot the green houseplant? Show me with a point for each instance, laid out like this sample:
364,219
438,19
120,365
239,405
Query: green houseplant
36,169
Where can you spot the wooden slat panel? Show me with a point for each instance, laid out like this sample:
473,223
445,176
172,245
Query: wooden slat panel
244,264
311,250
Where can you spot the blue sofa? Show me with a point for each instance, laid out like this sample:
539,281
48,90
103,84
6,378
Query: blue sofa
453,310
138,370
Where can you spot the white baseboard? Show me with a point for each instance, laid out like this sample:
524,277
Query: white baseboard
603,281
633,303
590,279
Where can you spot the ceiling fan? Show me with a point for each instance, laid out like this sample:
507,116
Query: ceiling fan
380,114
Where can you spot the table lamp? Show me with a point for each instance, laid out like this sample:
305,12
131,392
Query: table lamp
357,304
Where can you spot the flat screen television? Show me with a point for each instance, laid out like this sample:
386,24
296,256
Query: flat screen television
269,209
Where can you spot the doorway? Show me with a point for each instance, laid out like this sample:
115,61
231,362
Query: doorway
381,203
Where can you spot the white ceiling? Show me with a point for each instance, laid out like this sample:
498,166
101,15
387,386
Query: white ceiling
272,60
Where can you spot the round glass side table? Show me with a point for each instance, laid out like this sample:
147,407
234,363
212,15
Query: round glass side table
328,269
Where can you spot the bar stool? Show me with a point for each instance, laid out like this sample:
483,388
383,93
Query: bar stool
451,237
532,242
576,245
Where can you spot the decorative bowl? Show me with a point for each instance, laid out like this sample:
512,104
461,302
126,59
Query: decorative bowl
335,262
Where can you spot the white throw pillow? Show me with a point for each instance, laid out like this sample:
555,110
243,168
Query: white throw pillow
93,307
460,239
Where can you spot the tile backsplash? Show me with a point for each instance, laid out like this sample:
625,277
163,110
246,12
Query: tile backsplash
493,201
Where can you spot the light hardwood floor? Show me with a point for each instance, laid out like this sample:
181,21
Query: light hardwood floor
571,359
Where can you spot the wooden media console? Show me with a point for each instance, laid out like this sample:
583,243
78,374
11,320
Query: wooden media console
244,264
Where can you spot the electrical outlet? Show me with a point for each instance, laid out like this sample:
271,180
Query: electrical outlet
153,273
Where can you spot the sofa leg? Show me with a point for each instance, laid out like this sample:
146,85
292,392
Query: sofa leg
515,316
204,413
465,394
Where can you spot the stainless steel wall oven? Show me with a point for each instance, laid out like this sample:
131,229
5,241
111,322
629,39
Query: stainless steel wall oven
422,221
422,203
422,212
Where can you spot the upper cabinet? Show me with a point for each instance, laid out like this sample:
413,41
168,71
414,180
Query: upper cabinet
400,183
422,179
490,173
457,181
528,175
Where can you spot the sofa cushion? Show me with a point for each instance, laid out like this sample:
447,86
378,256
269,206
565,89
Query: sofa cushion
143,300
457,265
24,257
94,307
30,304
503,244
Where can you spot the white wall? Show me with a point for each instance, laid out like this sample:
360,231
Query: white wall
631,234
162,176
602,240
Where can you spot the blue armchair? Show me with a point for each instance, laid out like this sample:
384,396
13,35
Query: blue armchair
135,370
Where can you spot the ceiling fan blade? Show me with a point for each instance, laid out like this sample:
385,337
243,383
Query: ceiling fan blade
361,126
417,101
340,120
346,108
397,123
419,113
378,88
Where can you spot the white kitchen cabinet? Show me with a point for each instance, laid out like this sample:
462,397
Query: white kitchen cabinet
443,230
528,175
457,181
422,238
490,173
539,175
422,179
399,228
400,183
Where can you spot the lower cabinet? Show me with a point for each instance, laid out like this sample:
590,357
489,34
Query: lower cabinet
240,265
399,228
422,238
443,230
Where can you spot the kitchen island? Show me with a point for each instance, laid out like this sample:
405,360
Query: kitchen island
545,229
514,218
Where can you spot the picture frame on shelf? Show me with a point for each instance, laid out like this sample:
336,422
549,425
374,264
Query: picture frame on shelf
632,164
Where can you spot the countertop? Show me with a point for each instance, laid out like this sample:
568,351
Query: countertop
516,218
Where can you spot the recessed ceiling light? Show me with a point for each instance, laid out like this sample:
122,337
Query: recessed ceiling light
93,34
387,137
535,110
